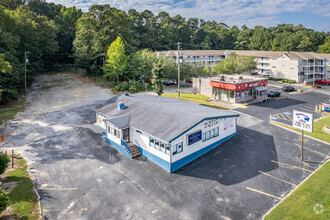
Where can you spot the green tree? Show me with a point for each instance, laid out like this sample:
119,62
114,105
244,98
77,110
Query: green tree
325,48
66,22
157,77
305,44
117,61
141,64
235,64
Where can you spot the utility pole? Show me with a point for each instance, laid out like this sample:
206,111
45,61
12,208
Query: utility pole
314,72
25,52
302,145
179,69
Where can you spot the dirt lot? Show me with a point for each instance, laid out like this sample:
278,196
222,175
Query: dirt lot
80,176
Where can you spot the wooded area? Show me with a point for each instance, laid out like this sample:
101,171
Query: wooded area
55,36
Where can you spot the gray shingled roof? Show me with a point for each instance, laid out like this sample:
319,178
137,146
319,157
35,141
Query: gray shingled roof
120,121
255,53
161,117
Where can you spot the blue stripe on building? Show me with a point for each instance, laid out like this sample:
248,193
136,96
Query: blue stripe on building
180,163
119,147
157,160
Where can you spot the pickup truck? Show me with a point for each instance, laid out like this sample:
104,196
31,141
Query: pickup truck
323,81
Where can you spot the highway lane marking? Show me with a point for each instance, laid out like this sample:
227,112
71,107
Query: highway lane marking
267,194
244,106
60,210
292,166
274,177
58,188
315,151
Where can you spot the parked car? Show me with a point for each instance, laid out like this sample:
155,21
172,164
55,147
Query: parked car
254,73
323,81
168,82
272,93
188,80
288,88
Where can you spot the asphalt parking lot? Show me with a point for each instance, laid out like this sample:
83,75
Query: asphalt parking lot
80,176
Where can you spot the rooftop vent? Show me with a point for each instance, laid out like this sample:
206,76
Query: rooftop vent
222,78
120,106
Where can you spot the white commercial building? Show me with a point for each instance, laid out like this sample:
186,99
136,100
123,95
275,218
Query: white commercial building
298,66
169,132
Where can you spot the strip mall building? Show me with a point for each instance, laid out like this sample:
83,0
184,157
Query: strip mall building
169,132
234,89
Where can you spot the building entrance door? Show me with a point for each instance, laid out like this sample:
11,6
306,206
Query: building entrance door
126,134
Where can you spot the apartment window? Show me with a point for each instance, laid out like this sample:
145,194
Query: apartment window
180,147
197,57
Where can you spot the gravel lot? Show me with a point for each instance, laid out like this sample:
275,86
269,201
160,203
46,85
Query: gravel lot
80,176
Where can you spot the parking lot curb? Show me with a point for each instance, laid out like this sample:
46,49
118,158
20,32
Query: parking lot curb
307,136
293,190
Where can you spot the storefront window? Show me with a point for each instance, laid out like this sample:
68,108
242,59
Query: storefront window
216,132
180,147
174,149
118,133
168,149
109,129
231,94
157,145
212,133
152,142
162,147
203,137
208,135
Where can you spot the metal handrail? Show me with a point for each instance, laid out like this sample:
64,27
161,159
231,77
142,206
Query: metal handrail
128,148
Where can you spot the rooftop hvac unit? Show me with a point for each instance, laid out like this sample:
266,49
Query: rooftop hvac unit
120,106
222,78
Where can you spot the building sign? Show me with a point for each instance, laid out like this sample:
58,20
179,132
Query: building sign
194,137
210,123
238,86
303,121
325,107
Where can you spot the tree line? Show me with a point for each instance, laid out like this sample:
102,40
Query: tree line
55,36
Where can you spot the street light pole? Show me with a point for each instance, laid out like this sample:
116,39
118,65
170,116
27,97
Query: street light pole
179,69
25,52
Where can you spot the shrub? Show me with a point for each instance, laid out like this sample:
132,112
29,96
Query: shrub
4,200
136,86
4,160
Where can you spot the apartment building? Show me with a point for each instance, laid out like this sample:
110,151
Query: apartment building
298,66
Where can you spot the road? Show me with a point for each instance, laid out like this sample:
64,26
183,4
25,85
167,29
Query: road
80,176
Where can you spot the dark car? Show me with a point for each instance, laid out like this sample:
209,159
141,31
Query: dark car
273,93
254,73
288,88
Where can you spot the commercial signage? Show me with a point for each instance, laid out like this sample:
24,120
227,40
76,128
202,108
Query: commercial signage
210,123
238,86
325,107
194,137
303,121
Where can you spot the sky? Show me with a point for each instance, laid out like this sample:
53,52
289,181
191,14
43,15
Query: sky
313,14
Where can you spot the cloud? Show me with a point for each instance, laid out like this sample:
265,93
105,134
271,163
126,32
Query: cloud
231,12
